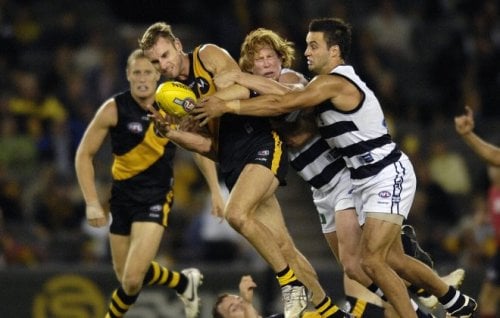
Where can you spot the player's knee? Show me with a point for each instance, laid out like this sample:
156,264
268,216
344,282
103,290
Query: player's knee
132,284
352,271
370,264
236,220
350,264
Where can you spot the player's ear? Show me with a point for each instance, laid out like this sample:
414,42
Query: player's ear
177,44
335,50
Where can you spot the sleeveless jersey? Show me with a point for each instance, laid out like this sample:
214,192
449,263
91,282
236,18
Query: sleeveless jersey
361,135
318,164
315,162
235,136
142,168
200,80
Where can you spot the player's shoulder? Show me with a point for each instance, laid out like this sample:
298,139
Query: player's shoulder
216,58
328,79
209,48
109,103
108,111
289,71
292,77
212,51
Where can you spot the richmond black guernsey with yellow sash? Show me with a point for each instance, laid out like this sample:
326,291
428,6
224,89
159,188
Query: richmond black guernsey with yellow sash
142,167
239,139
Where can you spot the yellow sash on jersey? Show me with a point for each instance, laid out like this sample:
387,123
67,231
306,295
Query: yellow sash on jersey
140,158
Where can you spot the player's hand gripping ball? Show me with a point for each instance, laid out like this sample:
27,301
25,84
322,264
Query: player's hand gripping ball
175,98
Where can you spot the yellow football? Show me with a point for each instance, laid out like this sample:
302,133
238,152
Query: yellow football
175,98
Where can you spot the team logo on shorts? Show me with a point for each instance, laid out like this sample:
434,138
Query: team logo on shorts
384,194
155,208
262,155
154,211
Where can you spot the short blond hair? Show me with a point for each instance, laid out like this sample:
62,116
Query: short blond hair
155,31
136,54
261,38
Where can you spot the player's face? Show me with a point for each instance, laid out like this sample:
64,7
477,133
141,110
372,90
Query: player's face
267,63
143,78
166,56
317,53
232,307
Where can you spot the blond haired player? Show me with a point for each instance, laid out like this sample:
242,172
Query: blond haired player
141,195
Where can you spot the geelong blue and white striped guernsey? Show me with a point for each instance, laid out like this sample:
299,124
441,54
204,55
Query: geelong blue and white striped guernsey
361,135
317,163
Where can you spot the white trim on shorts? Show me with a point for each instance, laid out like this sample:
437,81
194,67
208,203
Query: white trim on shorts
391,191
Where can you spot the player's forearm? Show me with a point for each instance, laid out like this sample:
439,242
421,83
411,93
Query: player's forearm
486,151
86,178
192,142
235,91
262,85
262,106
209,171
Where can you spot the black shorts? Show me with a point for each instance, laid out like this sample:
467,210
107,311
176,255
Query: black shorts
124,215
273,156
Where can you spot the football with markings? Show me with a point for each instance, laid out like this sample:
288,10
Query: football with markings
175,98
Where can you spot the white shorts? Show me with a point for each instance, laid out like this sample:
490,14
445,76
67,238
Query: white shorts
391,191
337,199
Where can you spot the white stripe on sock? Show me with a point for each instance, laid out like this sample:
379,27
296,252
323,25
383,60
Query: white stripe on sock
452,301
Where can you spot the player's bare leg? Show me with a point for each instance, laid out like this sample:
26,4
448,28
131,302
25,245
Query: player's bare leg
270,214
255,185
376,240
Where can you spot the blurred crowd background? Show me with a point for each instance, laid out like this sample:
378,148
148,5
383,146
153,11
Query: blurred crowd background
60,59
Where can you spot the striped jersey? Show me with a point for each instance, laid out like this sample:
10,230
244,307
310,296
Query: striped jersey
317,163
361,136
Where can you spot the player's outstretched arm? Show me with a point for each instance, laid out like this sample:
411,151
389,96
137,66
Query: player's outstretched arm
464,125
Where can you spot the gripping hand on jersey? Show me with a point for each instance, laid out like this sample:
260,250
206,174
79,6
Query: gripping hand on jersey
96,216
